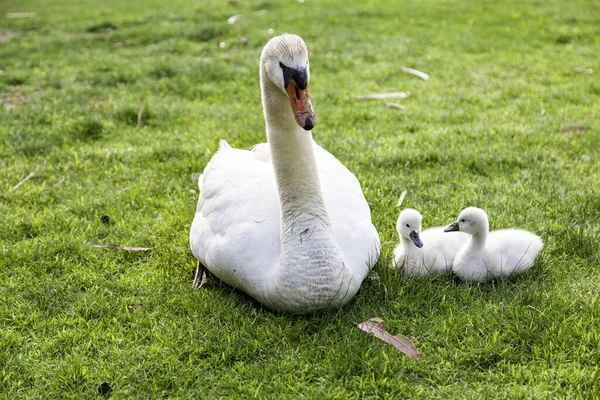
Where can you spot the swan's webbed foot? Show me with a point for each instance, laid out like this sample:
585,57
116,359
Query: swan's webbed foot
204,278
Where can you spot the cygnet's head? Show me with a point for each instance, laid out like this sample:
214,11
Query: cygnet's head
472,220
284,60
409,226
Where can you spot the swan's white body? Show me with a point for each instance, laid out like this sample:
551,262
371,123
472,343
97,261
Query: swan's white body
490,255
286,222
437,251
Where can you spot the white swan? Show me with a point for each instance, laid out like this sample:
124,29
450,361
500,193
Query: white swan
286,222
490,255
424,253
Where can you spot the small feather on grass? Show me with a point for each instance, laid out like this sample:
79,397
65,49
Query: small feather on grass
394,105
402,343
18,185
18,15
392,95
584,70
415,72
112,246
401,199
234,18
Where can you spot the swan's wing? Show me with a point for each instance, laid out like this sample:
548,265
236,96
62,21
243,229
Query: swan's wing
237,214
512,250
349,212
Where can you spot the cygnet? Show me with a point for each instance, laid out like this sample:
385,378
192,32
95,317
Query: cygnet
488,255
424,253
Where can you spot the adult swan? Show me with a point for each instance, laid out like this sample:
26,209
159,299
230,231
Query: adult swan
285,222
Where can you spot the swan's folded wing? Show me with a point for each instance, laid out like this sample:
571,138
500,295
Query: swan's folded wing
349,212
237,213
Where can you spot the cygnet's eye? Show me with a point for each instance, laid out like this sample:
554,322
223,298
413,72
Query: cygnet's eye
462,220
407,225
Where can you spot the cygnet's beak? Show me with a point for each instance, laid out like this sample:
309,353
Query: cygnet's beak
452,227
414,236
296,85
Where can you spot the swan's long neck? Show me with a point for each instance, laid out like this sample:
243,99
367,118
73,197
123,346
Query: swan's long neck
409,247
311,269
478,240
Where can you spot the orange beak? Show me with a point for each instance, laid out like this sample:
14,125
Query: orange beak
301,106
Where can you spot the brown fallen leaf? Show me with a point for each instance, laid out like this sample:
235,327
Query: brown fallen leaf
5,37
130,309
415,72
402,343
394,105
573,127
112,246
392,95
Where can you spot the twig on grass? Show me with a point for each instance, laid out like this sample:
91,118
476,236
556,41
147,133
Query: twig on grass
140,112
18,185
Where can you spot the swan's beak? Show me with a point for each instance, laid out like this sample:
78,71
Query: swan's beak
297,89
414,236
452,228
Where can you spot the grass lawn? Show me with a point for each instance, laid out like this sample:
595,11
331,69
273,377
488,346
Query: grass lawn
112,106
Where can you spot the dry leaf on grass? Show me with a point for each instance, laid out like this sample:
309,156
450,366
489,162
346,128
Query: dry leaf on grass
112,246
401,199
5,37
573,127
392,95
394,105
196,176
130,309
415,72
402,343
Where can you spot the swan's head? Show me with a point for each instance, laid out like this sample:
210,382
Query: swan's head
409,226
472,220
284,59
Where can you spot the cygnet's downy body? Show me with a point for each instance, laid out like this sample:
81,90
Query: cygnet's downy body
424,253
490,255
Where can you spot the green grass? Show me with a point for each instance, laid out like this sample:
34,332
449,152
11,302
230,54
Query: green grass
485,130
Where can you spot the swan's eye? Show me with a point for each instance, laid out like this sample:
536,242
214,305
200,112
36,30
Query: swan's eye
462,220
407,225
